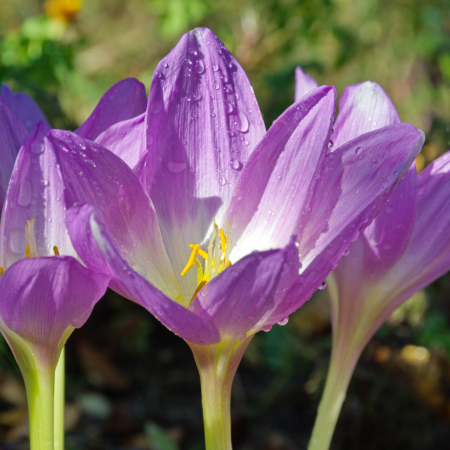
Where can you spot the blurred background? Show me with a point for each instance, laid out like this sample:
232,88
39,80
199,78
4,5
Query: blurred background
131,384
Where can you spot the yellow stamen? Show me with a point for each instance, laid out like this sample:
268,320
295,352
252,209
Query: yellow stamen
202,253
27,249
191,261
2,271
199,287
56,251
223,240
31,248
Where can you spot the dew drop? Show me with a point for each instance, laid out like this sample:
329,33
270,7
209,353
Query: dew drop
215,67
323,286
266,328
43,182
176,167
346,252
156,106
358,150
140,269
165,65
228,107
242,123
199,66
284,321
222,181
236,164
24,197
16,240
330,144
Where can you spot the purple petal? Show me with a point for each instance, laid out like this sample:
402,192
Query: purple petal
95,175
357,179
41,297
363,107
240,299
304,83
126,139
25,107
12,134
203,123
428,254
89,230
276,184
123,101
35,192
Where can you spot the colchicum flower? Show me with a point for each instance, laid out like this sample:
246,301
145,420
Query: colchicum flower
405,248
208,240
44,292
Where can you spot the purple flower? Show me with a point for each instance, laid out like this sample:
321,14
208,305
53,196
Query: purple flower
406,247
229,229
210,158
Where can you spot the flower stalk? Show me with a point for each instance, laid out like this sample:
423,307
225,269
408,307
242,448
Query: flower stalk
59,401
217,366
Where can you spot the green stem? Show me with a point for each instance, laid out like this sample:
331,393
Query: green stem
342,364
217,366
59,401
40,396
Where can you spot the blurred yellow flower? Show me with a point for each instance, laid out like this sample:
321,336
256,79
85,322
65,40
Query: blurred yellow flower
62,10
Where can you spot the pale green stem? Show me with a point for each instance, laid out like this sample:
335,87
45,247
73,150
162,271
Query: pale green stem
59,401
217,366
40,395
342,364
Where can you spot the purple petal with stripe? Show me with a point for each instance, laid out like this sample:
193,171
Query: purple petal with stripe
276,184
24,106
35,192
203,122
123,101
93,174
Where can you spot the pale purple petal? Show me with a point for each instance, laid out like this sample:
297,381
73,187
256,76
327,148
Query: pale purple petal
12,134
41,297
93,174
390,232
126,139
24,106
278,181
35,192
428,254
363,107
88,230
356,182
240,299
203,123
304,83
123,101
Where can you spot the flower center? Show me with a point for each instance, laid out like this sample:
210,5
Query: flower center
215,261
31,248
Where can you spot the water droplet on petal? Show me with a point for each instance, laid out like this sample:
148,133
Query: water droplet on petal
175,167
228,107
236,164
24,197
266,328
358,150
222,181
330,144
215,67
199,66
156,106
16,240
323,286
141,270
284,321
242,123
165,65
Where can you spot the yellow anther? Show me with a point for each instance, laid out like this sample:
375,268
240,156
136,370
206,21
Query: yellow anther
27,248
2,271
227,264
199,287
223,240
202,253
191,261
55,250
